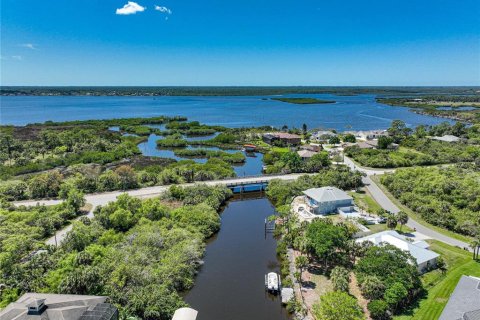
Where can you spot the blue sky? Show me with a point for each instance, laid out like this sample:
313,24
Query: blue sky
249,42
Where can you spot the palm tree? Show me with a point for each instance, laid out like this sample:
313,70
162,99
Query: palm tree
301,262
391,221
402,218
475,245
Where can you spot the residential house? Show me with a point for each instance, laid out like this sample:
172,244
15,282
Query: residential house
283,137
312,147
368,135
326,200
418,249
306,154
322,135
464,303
47,306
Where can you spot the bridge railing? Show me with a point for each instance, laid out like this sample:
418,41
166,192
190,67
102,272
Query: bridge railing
270,175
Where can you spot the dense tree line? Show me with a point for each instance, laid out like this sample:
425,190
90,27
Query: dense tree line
448,197
281,192
417,148
141,253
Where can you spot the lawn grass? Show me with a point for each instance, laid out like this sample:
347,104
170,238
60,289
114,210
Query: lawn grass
366,201
416,216
371,206
280,149
440,285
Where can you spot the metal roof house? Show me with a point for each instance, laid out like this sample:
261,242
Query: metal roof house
45,306
419,249
464,303
326,200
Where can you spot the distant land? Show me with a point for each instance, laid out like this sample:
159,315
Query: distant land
304,100
231,91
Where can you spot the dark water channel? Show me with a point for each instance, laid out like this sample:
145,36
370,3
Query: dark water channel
230,285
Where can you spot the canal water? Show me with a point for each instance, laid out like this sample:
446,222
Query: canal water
231,283
252,165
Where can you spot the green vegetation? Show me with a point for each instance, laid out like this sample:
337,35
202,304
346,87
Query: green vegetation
385,273
142,254
304,100
281,192
286,161
417,149
448,197
338,305
38,161
172,142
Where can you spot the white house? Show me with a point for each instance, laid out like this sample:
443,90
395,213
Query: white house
418,249
326,200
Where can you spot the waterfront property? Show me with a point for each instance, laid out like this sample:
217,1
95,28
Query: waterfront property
322,135
282,138
464,303
369,134
425,258
312,147
46,306
326,200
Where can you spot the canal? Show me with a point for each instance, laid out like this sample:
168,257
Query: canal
230,284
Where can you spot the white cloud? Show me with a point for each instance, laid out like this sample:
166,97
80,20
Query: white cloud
130,8
163,9
29,46
17,58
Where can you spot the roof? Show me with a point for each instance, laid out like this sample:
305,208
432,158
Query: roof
286,135
365,145
282,135
327,194
59,306
306,153
185,314
447,138
464,303
417,249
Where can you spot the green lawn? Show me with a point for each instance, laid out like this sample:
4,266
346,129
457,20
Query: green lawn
417,217
366,201
441,285
280,149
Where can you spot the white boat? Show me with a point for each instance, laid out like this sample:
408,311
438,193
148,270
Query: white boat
272,282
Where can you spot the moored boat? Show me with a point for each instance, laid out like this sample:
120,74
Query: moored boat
272,282
249,147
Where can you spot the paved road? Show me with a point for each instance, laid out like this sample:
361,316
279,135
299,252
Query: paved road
387,204
377,193
97,199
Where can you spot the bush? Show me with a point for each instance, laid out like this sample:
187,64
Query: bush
378,310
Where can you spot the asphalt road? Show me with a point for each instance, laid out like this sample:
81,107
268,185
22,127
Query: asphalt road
97,199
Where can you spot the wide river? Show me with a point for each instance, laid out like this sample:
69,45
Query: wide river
231,283
360,112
